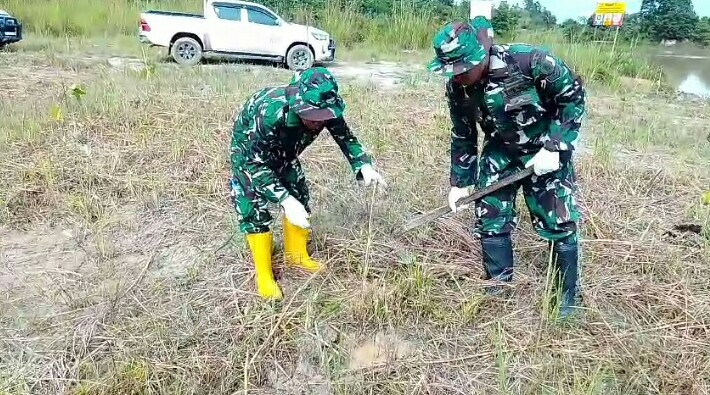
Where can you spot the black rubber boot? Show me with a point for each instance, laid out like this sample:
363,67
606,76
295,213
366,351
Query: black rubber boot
567,253
497,254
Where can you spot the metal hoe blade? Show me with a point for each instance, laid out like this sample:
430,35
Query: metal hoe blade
443,210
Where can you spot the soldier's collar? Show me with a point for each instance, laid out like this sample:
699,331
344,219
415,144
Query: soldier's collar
292,119
497,67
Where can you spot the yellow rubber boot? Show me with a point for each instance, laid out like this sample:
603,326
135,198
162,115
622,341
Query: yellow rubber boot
295,253
260,245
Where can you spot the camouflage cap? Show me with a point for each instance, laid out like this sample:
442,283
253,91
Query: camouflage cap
313,95
457,49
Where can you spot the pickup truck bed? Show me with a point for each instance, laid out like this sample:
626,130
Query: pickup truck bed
173,13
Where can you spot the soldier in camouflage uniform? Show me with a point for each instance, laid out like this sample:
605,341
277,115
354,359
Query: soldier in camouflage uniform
273,128
529,105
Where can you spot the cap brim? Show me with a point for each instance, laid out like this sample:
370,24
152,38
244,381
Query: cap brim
451,69
317,114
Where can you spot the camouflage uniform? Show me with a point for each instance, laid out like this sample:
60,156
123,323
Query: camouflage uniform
527,99
274,127
267,139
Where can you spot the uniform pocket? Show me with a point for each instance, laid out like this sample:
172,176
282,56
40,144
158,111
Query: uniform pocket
565,205
523,107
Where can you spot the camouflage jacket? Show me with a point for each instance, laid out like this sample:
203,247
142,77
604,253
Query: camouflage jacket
267,136
529,99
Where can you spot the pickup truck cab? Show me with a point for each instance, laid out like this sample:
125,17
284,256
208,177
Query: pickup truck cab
238,28
10,29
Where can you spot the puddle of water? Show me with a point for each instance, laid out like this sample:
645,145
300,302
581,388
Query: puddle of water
696,57
694,85
688,69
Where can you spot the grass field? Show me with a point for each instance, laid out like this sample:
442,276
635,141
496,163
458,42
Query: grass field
121,272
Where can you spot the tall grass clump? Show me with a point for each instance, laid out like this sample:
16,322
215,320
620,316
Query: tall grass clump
342,20
87,17
595,61
404,27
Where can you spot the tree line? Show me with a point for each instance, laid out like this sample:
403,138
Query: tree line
657,20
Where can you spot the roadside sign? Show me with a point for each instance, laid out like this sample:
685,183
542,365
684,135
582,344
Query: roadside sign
609,14
482,8
611,8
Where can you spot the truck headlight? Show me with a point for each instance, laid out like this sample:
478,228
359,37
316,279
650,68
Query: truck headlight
320,36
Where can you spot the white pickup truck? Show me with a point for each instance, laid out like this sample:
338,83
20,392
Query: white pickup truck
236,28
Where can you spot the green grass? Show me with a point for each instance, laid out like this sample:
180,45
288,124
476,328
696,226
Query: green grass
89,18
403,29
596,61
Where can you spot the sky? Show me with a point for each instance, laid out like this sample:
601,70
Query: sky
564,9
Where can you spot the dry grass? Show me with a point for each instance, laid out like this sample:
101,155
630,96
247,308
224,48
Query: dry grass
121,273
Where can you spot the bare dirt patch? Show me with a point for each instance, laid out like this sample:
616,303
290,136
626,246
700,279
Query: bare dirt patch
30,80
383,75
38,252
383,349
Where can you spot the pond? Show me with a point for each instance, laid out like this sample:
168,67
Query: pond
687,68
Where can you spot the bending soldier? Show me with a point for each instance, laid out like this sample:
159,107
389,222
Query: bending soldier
529,105
273,128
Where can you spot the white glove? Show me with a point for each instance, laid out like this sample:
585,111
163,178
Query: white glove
545,162
295,212
369,175
457,193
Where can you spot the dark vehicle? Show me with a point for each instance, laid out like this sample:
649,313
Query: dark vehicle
10,29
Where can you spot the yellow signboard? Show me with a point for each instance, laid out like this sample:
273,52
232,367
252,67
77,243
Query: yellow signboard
610,8
609,14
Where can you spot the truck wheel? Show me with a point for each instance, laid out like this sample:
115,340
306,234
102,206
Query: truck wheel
299,57
186,51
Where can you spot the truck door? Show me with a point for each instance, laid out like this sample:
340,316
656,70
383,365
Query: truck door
227,29
265,31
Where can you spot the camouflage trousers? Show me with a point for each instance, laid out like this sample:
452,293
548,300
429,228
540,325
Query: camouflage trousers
550,198
252,209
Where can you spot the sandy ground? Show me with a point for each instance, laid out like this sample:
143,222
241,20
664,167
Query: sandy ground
383,75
